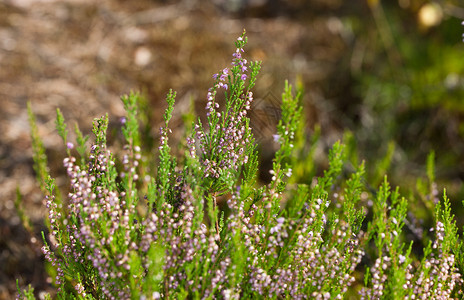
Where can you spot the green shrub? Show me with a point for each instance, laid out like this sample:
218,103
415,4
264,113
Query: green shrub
200,225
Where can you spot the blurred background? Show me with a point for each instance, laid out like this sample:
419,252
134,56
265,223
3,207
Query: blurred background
389,72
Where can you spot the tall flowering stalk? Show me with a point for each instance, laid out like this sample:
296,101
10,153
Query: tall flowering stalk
227,143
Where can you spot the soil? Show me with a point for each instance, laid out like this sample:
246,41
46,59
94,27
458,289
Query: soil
82,55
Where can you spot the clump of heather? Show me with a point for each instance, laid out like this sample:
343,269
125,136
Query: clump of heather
395,274
128,230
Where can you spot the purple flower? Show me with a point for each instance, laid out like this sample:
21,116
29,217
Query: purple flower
69,145
223,77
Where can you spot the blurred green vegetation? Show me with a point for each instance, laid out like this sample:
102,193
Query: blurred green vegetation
407,71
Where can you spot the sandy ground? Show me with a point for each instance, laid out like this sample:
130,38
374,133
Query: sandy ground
81,55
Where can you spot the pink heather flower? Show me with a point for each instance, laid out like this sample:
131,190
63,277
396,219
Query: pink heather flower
69,145
123,120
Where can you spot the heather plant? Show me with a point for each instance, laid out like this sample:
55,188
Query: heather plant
199,224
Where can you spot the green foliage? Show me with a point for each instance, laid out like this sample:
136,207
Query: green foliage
130,129
383,165
38,151
25,294
451,243
61,127
25,220
167,161
81,143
